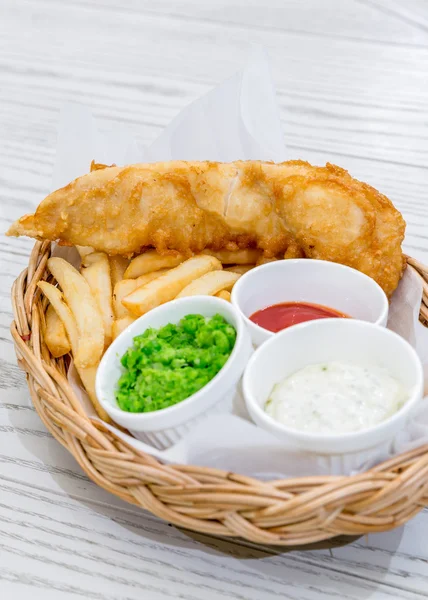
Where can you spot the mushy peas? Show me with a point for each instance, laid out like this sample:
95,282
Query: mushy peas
167,365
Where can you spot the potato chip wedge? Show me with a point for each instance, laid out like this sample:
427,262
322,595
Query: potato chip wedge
57,301
247,256
241,269
121,324
83,306
55,335
84,251
210,284
87,375
118,266
96,270
151,261
126,286
168,286
121,290
224,295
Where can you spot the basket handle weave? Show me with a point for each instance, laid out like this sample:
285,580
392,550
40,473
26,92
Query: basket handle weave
421,271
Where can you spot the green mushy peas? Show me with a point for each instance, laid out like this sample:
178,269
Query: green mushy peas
167,365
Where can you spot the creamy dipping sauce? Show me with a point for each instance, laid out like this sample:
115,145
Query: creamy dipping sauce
335,398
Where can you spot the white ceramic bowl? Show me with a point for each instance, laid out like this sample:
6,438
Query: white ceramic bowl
325,340
307,280
164,427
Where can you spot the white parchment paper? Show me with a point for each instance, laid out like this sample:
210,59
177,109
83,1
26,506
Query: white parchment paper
238,119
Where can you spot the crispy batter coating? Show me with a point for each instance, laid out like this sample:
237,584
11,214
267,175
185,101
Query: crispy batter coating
290,208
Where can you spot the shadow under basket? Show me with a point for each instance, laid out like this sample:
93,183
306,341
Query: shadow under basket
288,512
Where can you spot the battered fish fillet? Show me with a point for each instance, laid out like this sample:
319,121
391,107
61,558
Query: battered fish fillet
291,207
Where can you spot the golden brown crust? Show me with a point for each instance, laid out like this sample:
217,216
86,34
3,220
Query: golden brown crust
291,207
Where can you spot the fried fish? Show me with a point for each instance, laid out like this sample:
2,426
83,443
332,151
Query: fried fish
288,209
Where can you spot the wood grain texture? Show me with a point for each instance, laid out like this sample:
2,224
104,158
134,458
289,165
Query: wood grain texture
352,89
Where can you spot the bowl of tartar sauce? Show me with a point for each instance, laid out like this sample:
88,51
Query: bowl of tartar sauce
333,386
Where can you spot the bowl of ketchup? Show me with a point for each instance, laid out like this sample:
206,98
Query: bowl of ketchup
285,314
284,293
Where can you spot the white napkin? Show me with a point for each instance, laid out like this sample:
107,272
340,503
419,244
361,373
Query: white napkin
238,119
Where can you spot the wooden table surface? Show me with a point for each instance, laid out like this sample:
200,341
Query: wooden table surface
352,87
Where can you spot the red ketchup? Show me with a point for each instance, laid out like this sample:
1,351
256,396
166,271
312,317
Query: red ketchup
280,316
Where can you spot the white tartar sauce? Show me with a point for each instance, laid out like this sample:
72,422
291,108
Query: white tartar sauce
335,398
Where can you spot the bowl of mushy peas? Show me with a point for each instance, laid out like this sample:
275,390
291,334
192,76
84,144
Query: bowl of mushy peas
174,366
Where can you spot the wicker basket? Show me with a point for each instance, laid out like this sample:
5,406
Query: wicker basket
289,512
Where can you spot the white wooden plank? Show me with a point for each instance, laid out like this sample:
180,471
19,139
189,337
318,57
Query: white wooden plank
291,16
378,91
411,12
63,538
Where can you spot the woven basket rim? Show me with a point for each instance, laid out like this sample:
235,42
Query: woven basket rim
287,512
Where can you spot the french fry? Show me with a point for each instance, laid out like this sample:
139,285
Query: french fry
57,301
118,266
126,286
210,284
96,271
168,286
90,327
84,251
87,375
121,290
224,295
55,336
151,261
247,256
241,269
121,324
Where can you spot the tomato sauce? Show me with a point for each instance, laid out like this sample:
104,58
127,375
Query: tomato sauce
280,316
